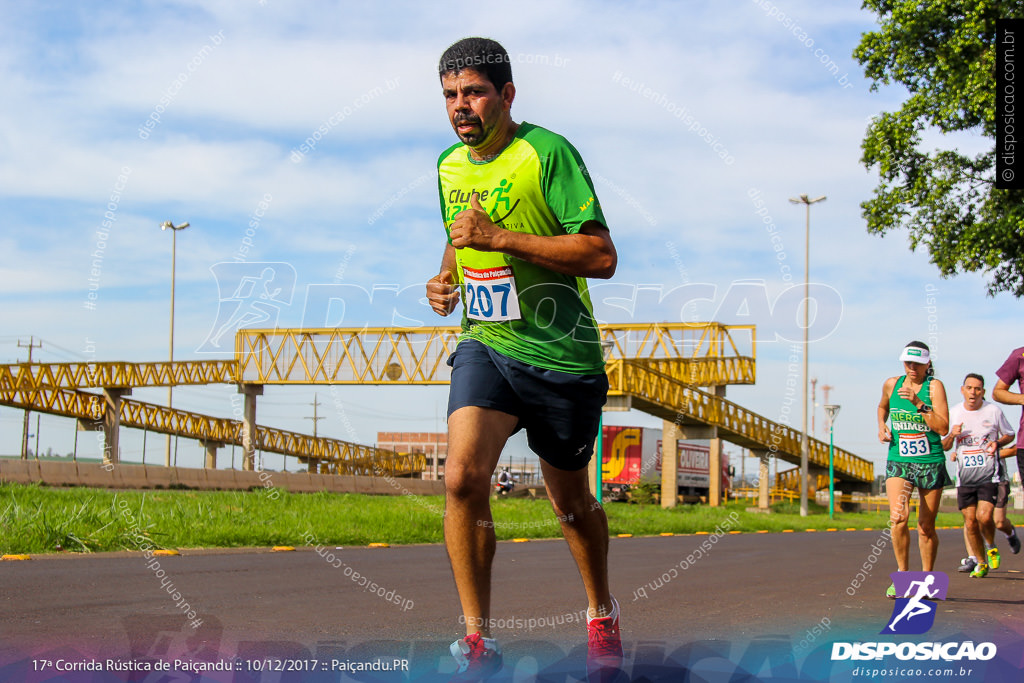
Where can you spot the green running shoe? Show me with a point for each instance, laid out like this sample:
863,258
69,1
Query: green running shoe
981,571
890,592
993,558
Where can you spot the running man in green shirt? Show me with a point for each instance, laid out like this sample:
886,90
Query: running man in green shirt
524,232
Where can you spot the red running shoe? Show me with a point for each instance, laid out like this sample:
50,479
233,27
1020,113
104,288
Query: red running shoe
477,657
604,647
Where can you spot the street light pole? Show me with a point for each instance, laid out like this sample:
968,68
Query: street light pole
805,444
167,225
831,410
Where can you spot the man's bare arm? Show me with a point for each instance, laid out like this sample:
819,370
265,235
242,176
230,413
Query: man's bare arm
442,292
1002,394
588,253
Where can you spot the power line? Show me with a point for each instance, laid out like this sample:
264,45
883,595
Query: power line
316,404
75,354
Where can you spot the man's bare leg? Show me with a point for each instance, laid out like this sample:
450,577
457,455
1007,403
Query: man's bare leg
1002,522
975,546
475,439
986,523
967,537
585,528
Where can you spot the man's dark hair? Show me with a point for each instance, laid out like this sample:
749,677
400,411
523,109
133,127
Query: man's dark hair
483,55
974,375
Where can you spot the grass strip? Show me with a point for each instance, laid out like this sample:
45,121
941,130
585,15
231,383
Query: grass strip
41,519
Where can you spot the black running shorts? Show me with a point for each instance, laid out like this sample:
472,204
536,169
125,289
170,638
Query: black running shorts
967,496
1003,495
559,411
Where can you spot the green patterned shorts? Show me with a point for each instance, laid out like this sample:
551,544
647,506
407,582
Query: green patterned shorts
923,475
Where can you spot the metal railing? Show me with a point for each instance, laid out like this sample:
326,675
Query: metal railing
35,376
699,353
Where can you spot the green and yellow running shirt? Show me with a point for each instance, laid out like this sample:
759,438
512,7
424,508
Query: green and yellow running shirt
539,185
912,440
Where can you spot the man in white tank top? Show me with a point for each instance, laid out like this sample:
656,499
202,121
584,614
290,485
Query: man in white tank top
977,430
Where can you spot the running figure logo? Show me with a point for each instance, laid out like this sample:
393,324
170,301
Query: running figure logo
914,613
250,295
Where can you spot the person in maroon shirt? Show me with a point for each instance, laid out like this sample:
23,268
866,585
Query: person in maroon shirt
1013,371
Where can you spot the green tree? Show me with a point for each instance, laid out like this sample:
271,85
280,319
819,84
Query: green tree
943,53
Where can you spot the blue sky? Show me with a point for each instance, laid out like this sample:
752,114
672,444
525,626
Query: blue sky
698,121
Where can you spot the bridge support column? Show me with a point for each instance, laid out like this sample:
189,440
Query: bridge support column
669,464
112,423
763,502
211,453
311,466
715,459
251,391
715,471
696,431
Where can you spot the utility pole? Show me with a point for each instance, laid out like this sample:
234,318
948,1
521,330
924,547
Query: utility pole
315,419
814,401
24,427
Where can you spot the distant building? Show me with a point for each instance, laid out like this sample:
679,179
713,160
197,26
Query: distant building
432,444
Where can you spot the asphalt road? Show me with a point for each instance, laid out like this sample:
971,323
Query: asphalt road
760,606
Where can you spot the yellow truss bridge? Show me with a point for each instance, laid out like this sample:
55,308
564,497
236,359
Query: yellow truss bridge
703,354
662,395
657,367
334,456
